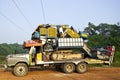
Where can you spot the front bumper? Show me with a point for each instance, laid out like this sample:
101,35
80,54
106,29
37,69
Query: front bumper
6,68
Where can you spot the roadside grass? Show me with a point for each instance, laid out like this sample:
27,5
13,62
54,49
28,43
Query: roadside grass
116,61
2,61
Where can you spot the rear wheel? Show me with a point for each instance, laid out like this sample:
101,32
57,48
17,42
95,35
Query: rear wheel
68,67
81,67
20,69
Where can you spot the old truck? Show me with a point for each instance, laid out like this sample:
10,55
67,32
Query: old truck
55,45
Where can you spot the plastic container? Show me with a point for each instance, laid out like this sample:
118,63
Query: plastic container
52,32
39,57
43,31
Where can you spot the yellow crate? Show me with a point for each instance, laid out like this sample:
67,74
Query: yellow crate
72,33
43,31
84,35
39,57
52,32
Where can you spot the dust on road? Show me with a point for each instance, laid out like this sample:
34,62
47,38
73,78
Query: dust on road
92,74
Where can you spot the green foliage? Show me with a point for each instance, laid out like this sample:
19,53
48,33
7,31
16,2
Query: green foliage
116,59
98,40
2,59
6,49
105,34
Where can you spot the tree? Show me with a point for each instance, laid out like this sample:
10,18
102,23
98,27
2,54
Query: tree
90,29
6,49
103,34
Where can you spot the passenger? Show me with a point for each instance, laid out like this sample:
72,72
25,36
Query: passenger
72,28
109,48
61,31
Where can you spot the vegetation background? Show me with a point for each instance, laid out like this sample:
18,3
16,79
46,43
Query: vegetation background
100,35
104,34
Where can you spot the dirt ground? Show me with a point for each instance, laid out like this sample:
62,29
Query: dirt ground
92,74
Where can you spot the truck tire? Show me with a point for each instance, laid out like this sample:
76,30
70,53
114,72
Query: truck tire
81,67
20,69
68,68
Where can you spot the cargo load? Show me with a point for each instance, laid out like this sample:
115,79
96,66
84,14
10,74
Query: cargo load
66,56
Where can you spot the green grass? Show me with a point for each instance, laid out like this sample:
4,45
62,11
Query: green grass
116,62
2,61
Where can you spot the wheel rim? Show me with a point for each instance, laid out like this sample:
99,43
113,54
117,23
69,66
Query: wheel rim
69,67
21,70
82,67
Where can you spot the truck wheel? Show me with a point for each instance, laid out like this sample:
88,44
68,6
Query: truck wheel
81,67
20,69
68,68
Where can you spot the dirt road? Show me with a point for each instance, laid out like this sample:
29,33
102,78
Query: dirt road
91,74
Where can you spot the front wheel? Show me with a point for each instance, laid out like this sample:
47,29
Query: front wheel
81,67
20,69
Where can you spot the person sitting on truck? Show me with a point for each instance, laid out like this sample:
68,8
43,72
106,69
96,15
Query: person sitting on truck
61,31
72,28
109,50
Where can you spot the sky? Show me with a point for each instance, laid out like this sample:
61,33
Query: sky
19,18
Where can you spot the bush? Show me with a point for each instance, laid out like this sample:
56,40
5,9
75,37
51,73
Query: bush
2,60
116,62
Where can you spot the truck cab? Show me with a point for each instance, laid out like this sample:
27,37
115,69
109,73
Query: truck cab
20,63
